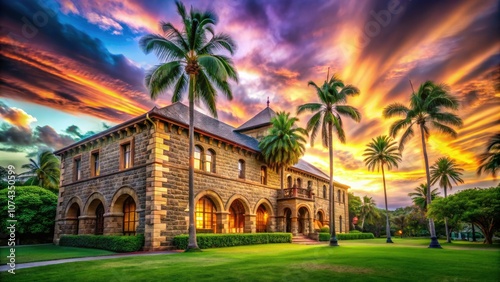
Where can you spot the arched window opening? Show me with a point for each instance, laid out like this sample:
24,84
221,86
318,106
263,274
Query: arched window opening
299,182
99,219
263,175
338,196
262,217
236,217
343,197
324,191
205,214
129,216
197,157
241,169
289,181
210,161
319,218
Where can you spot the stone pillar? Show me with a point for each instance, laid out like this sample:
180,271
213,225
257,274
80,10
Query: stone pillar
311,225
113,223
87,224
295,226
59,221
222,224
279,223
250,223
156,193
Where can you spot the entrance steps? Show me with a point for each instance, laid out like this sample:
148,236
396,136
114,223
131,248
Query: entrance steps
303,240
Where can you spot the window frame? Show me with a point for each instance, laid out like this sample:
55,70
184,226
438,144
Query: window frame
93,155
129,217
77,168
200,159
241,169
263,175
123,146
211,163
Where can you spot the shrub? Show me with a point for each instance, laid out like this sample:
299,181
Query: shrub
206,241
325,229
120,244
355,231
346,236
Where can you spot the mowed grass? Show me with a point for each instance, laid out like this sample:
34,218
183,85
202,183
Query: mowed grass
359,260
48,252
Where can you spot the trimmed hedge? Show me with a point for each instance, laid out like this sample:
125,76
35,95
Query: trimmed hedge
120,244
206,241
346,236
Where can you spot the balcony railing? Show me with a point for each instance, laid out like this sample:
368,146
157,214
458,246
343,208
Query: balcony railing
297,193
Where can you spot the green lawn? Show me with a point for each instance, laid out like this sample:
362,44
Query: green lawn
358,260
48,252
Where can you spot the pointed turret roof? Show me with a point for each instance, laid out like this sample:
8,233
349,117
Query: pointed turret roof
259,120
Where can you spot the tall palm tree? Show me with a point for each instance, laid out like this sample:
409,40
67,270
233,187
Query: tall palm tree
443,170
419,197
490,160
327,117
284,144
383,151
369,210
427,111
46,170
189,62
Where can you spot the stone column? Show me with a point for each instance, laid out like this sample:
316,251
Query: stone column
222,224
113,223
250,226
311,225
295,226
59,222
87,224
156,193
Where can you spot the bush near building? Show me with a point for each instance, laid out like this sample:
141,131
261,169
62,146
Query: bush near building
119,244
206,241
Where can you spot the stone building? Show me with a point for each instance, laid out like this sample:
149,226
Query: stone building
133,179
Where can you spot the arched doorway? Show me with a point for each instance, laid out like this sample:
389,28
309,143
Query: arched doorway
99,219
262,219
72,218
236,217
303,219
288,220
205,215
320,219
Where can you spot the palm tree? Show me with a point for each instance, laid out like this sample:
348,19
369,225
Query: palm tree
419,197
46,170
369,210
490,160
426,110
284,144
189,62
382,151
327,117
443,170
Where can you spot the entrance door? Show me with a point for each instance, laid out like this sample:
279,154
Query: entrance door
303,218
288,220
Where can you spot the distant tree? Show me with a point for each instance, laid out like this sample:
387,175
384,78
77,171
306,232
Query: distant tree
419,197
442,171
354,203
490,160
383,152
46,170
3,173
369,210
400,222
284,144
35,211
426,111
327,117
478,206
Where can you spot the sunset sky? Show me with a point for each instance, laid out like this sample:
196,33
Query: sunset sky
70,68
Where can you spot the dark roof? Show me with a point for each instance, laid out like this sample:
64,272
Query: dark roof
180,113
259,120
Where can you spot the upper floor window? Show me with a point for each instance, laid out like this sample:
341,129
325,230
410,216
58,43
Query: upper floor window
210,161
309,184
263,175
126,155
324,191
299,182
338,195
197,157
95,168
241,169
77,164
289,181
343,197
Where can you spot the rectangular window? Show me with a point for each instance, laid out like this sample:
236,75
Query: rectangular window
77,168
263,175
126,155
241,169
95,168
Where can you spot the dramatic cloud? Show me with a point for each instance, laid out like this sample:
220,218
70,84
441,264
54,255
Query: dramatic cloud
15,116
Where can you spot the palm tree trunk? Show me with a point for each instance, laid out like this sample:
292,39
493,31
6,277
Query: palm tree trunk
448,237
282,180
333,235
387,224
193,244
434,242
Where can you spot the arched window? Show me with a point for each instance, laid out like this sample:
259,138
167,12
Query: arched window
341,223
210,161
262,217
263,175
197,157
309,184
343,197
205,214
338,195
129,216
236,217
319,217
99,219
289,181
241,169
299,182
324,191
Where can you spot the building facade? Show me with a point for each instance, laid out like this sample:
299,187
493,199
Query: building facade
133,179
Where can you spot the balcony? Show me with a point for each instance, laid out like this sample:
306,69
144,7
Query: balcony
302,193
